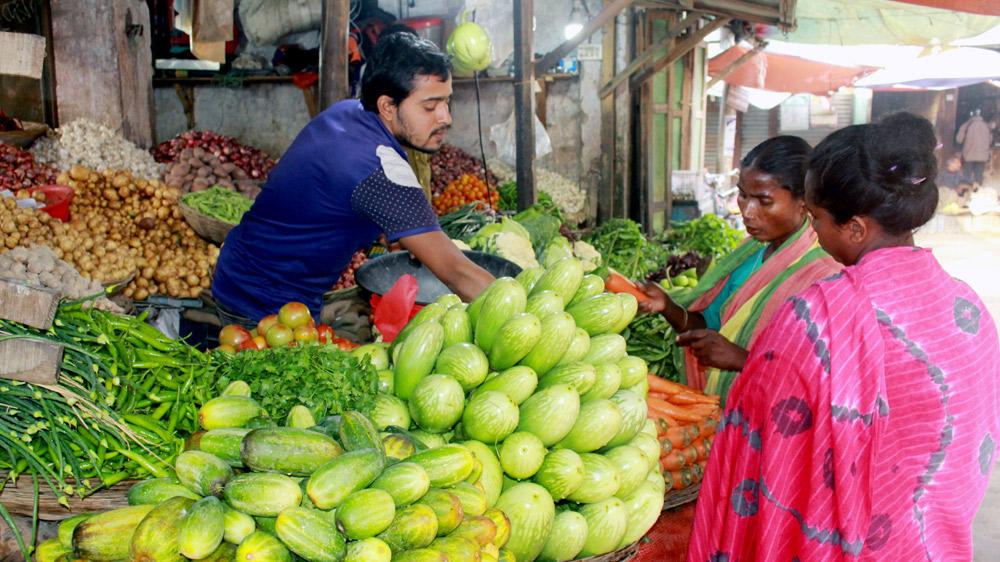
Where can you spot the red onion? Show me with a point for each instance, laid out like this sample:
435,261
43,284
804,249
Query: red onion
19,170
251,160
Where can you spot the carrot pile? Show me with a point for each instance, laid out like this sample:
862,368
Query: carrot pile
685,423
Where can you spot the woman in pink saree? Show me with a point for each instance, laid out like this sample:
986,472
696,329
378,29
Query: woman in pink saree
864,424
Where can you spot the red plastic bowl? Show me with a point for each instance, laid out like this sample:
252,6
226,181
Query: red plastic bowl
57,200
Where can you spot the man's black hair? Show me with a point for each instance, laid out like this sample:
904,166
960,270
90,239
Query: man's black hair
786,158
398,58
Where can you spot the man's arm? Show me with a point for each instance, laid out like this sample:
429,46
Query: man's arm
436,251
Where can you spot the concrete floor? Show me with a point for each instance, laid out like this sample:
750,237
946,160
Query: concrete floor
974,257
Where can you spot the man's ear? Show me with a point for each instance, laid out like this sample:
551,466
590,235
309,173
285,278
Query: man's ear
387,108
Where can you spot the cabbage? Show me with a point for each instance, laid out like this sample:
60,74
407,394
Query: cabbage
470,47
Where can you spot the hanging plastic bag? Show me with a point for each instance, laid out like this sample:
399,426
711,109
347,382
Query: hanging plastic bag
504,136
391,311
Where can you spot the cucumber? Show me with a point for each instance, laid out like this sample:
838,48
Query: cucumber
203,473
421,555
236,525
365,513
458,548
157,491
398,447
310,534
480,529
358,432
416,357
107,536
237,388
228,411
68,525
224,443
445,466
300,416
225,553
155,538
288,450
348,473
413,527
262,547
502,523
406,482
262,494
447,508
50,550
202,530
368,550
473,498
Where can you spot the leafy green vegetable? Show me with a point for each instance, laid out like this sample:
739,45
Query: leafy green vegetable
508,200
322,378
463,223
219,202
540,225
626,249
708,235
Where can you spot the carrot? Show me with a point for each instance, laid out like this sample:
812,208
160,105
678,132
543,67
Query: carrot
684,398
663,424
679,437
659,395
668,480
663,386
674,460
679,413
707,427
702,448
682,478
697,473
666,447
618,283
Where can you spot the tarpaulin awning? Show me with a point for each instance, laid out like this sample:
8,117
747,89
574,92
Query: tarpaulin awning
874,22
985,7
784,73
949,69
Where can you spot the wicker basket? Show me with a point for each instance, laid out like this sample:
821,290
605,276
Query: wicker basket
617,556
24,138
677,498
19,498
209,228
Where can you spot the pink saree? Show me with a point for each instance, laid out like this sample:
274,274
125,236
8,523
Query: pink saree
864,425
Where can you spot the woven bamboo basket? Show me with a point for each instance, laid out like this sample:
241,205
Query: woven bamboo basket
19,499
209,228
25,137
677,498
617,556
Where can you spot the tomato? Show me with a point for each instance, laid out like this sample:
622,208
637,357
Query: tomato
279,336
324,333
234,335
305,334
247,345
226,348
260,342
265,324
294,314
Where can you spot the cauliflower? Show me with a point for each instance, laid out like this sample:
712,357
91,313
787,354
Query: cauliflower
515,248
587,254
461,245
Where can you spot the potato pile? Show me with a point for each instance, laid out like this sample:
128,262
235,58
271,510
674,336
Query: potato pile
116,210
39,266
197,169
70,242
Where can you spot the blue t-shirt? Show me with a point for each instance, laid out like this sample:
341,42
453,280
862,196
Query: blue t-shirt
344,181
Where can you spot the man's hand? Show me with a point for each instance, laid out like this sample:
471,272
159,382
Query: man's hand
713,350
439,254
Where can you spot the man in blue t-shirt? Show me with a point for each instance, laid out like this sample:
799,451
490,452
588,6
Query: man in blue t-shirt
343,182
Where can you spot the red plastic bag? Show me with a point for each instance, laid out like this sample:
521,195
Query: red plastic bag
391,312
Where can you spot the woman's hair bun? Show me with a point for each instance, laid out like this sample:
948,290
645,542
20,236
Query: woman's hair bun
901,150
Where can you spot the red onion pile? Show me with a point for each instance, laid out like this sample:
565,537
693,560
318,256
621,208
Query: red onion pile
254,162
19,170
451,163
346,280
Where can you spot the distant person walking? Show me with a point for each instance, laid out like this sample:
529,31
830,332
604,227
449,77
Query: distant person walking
975,137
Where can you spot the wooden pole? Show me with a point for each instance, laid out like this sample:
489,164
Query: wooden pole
655,51
524,78
600,20
736,64
605,193
681,49
333,85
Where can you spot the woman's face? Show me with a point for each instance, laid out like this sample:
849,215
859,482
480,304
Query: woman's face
834,238
770,212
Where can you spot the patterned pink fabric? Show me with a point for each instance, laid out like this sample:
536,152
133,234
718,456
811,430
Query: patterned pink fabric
864,426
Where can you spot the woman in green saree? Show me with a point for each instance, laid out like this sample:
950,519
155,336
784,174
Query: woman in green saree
719,320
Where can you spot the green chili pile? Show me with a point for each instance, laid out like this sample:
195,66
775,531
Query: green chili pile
219,202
